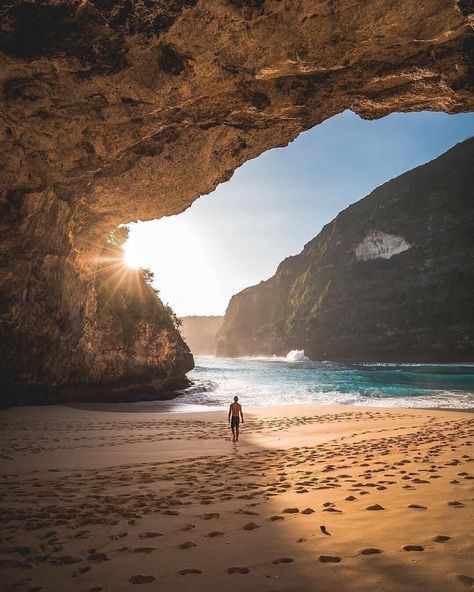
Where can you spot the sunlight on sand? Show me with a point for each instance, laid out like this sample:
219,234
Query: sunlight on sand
329,498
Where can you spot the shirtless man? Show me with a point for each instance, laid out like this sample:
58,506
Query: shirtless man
235,414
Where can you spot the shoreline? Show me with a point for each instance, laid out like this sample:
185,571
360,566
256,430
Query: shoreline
170,406
284,358
179,408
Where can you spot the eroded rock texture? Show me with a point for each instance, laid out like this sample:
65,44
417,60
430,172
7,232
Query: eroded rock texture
389,279
114,111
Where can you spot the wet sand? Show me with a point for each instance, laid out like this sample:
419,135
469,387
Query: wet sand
311,498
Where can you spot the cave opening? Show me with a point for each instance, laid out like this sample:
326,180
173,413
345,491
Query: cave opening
147,275
236,236
124,112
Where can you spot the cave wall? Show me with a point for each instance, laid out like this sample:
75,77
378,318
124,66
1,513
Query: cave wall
113,111
61,339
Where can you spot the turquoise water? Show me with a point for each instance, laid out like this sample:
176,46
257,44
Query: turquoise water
259,382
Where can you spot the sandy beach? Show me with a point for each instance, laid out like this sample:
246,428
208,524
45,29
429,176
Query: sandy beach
311,498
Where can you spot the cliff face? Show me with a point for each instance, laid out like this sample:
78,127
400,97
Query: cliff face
117,111
200,332
86,327
389,279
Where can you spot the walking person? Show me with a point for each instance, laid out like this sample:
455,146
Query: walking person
235,415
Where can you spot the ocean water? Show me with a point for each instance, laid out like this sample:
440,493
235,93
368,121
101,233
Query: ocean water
295,380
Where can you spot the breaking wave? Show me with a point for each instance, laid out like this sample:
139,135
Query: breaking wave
295,380
296,355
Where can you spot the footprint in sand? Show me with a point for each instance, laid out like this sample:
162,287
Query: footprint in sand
417,507
238,570
275,518
116,537
139,579
187,545
413,548
123,549
466,580
149,535
376,507
456,504
210,516
329,559
283,560
97,557
441,538
81,534
307,511
290,511
189,571
214,533
143,549
370,551
250,526
351,498
63,560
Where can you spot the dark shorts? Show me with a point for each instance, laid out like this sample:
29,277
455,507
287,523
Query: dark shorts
234,422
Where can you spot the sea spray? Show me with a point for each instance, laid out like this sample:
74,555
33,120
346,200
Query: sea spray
296,355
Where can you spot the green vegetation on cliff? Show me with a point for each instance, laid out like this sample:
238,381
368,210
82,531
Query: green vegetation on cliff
126,298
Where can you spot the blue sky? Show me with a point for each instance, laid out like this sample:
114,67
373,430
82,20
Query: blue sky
274,204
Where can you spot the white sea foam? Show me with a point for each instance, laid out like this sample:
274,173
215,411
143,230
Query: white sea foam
296,355
294,380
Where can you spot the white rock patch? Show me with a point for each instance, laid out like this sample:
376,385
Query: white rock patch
380,245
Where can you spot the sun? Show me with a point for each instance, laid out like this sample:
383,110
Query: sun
132,257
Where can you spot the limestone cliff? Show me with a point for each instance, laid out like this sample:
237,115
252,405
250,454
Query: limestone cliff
113,111
200,332
389,279
124,341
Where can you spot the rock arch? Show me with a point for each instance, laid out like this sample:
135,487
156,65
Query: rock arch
118,111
